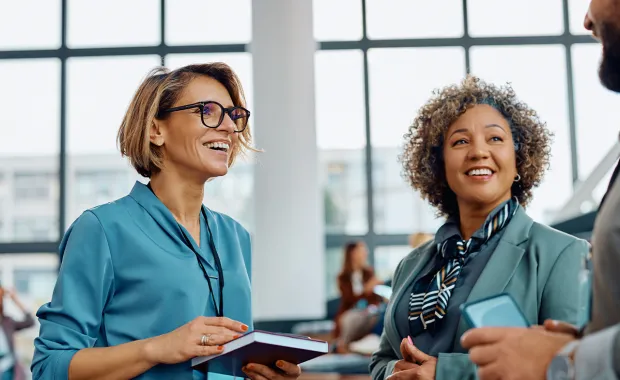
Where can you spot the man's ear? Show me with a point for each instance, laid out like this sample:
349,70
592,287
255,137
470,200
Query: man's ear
156,133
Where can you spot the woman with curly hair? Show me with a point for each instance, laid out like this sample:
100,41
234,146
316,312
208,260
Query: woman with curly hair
475,152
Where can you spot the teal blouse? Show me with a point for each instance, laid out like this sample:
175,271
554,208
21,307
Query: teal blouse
127,273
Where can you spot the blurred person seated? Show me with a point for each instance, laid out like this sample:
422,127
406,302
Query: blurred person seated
358,313
475,152
10,368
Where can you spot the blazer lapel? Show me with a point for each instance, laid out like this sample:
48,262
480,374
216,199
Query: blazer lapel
501,265
412,265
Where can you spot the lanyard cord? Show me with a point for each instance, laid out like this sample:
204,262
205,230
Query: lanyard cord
219,311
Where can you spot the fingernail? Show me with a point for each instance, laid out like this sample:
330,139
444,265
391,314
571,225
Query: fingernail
280,364
410,340
244,327
220,348
236,336
463,337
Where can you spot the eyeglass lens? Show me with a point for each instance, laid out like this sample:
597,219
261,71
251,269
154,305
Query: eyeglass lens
212,116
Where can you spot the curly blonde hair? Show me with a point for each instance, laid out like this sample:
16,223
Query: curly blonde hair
422,157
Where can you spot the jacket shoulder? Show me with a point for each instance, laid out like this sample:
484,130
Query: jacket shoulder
412,258
549,244
543,234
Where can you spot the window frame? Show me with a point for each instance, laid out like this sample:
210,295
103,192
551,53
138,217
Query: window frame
333,240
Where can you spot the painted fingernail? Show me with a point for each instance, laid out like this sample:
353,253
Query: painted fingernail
280,364
236,336
244,328
410,340
220,348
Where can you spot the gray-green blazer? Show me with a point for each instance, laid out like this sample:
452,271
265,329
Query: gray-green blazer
536,264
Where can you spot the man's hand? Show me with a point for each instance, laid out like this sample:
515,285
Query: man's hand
562,327
513,353
416,365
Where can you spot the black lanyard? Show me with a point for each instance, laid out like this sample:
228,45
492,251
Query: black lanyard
218,264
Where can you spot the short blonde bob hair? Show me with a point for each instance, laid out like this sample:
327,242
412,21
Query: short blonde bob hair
159,91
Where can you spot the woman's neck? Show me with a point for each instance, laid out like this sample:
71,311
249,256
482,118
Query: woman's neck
182,197
472,217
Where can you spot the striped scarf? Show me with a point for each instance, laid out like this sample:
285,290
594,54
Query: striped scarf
430,295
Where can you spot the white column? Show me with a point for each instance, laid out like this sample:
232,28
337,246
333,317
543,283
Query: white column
288,260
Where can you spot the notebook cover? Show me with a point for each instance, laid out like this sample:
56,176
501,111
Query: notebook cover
231,362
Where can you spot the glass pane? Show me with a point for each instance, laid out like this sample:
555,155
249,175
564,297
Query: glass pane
93,23
337,20
33,277
595,109
29,24
99,91
241,63
341,138
526,67
490,18
333,266
387,259
414,19
231,194
29,175
577,10
198,22
403,80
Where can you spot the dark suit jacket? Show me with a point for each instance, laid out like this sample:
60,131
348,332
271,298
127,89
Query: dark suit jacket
10,326
349,299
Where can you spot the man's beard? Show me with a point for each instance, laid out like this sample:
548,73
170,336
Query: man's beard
609,70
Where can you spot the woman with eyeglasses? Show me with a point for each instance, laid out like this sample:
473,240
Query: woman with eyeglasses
476,153
154,279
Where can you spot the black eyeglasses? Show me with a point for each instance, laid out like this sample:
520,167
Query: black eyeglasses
212,114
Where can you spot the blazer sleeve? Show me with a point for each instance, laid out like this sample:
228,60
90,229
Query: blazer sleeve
383,360
560,297
72,319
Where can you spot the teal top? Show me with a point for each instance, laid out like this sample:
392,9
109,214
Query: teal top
127,273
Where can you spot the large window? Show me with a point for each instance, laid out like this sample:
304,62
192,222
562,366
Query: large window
379,61
68,74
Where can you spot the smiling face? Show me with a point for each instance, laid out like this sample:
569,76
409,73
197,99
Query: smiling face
187,145
479,158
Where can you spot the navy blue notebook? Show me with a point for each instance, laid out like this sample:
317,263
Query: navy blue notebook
260,347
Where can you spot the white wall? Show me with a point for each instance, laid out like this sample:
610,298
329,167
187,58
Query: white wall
288,261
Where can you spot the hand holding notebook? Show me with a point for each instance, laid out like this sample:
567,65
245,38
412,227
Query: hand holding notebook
261,348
